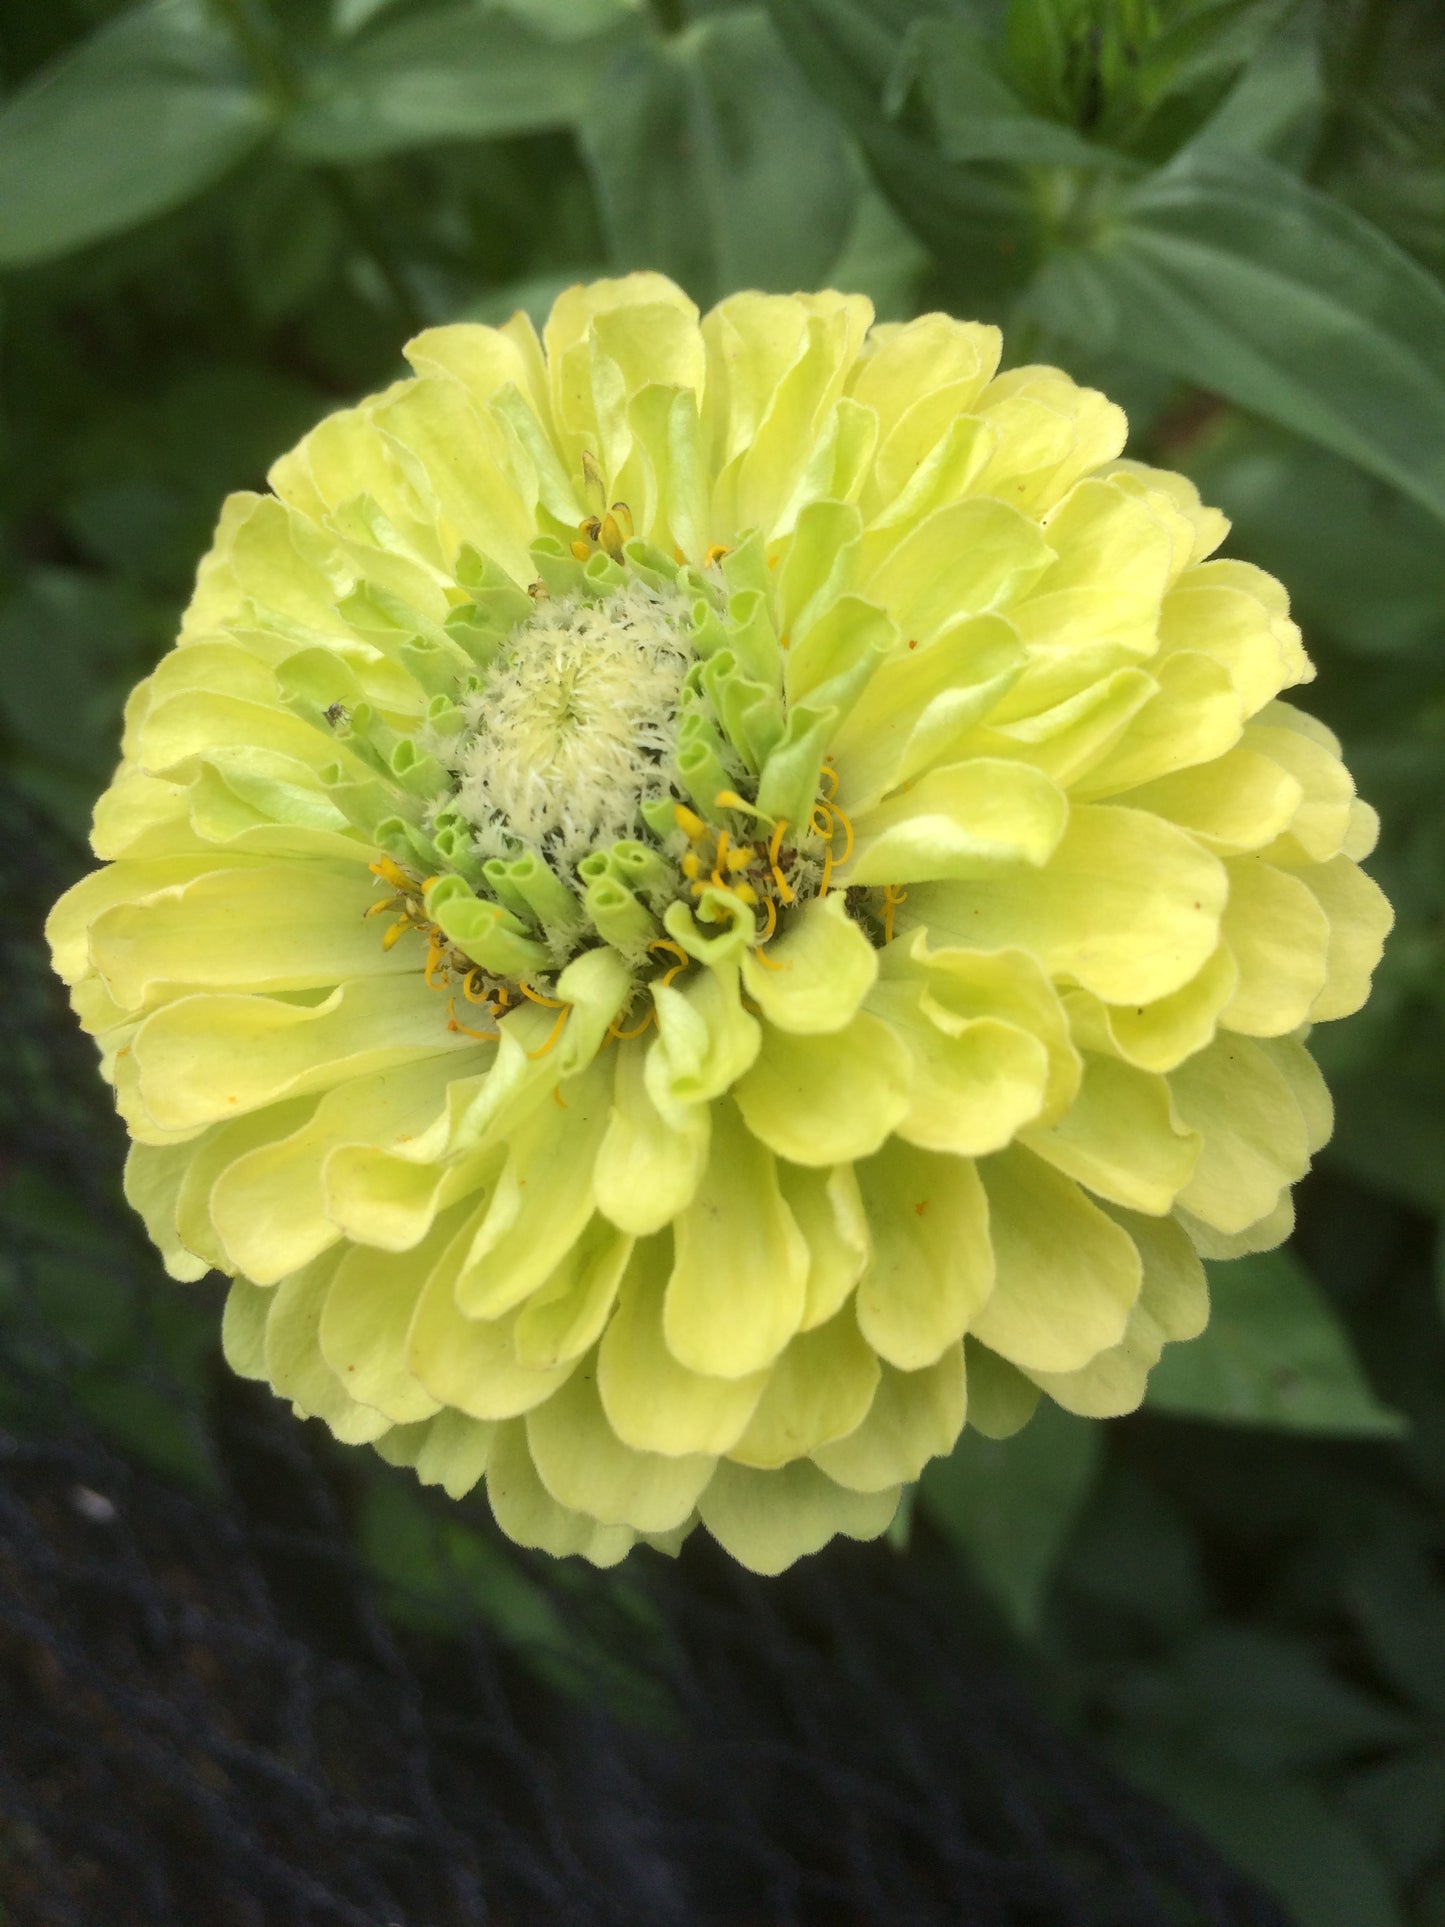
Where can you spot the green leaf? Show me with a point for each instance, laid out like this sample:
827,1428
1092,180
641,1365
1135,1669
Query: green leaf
1391,1129
1275,106
1266,1703
1398,1603
1399,1805
975,114
1230,273
453,73
572,19
133,121
1009,1505
1274,1353
1282,1831
714,163
979,219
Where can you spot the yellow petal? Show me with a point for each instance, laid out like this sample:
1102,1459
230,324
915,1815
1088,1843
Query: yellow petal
1279,938
1360,920
768,1520
1255,1141
1127,905
969,820
829,1210
740,1268
914,1417
819,1390
931,1266
818,969
587,1468
1173,1304
653,1403
528,1514
294,1361
1119,1138
1067,1275
827,1100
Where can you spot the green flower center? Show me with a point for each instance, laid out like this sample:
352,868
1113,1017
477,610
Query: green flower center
595,773
573,728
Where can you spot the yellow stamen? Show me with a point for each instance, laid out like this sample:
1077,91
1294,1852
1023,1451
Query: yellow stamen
715,554
392,873
557,1097
689,822
454,1023
435,957
472,995
564,1011
827,876
393,935
771,910
839,817
892,897
382,905
832,777
666,943
582,550
547,1003
735,860
626,1036
785,890
691,865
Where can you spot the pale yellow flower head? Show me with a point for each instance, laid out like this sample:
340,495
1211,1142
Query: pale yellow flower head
699,901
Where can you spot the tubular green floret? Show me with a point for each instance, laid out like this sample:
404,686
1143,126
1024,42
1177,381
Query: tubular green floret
702,901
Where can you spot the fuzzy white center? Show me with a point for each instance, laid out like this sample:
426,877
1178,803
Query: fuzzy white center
575,725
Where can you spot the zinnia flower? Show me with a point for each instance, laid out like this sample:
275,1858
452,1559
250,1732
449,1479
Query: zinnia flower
698,899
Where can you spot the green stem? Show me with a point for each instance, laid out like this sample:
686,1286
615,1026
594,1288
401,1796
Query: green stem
258,41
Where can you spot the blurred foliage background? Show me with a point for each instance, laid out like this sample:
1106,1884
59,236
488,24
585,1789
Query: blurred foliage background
221,218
